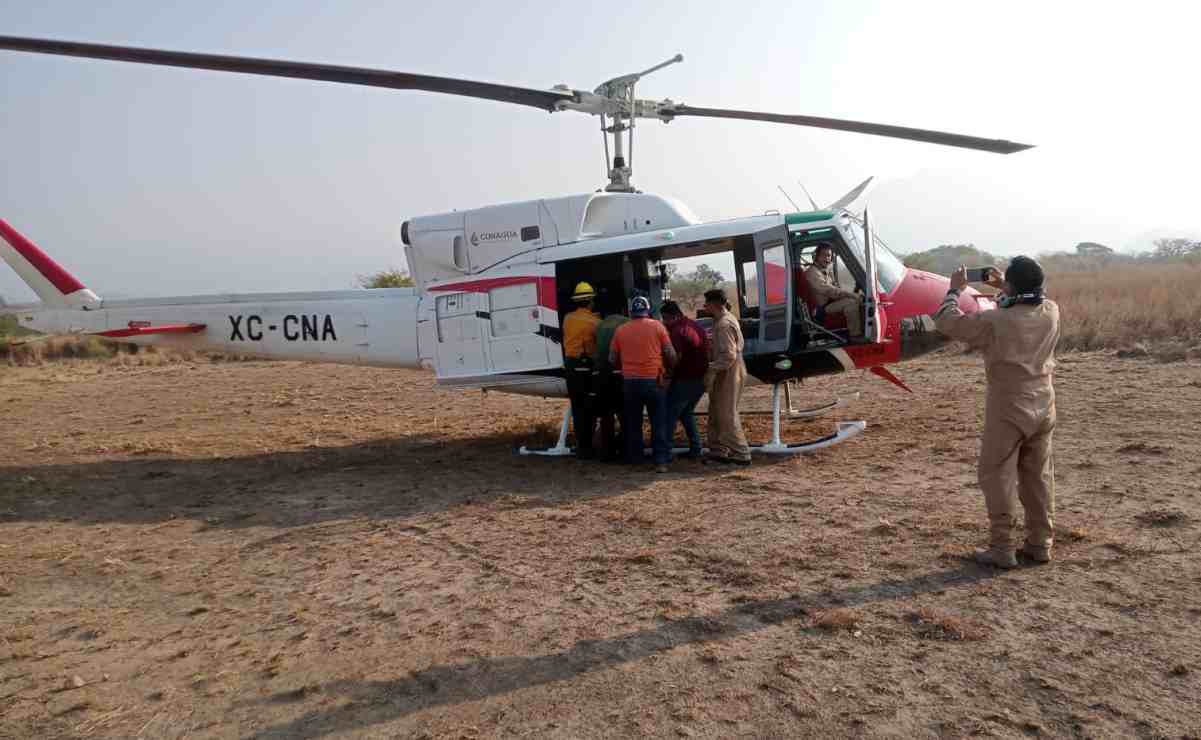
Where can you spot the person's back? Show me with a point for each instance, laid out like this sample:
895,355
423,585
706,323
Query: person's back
1020,354
579,332
692,345
639,342
642,349
604,338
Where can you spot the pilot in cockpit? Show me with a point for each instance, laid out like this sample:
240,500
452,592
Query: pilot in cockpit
828,295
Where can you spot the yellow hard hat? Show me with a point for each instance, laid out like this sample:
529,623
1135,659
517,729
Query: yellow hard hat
583,292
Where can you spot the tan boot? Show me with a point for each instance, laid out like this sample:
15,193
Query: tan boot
1000,557
1035,554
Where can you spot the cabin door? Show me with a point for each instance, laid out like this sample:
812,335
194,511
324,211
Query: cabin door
459,335
775,289
872,328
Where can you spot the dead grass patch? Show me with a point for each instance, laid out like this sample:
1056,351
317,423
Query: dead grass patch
935,625
836,620
1142,448
1162,517
1065,534
37,351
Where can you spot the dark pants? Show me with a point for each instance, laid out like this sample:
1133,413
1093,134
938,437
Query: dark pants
609,408
682,399
640,394
583,403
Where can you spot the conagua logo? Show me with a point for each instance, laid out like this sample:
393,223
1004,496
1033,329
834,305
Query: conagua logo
492,236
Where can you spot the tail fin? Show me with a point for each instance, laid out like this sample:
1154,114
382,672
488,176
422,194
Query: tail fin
54,285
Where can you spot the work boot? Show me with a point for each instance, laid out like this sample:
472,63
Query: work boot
662,469
999,557
1035,554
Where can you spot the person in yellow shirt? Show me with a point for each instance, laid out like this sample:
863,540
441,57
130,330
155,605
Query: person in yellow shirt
579,344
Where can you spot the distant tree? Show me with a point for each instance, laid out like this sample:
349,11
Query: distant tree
1092,249
706,275
1175,248
945,258
688,290
394,278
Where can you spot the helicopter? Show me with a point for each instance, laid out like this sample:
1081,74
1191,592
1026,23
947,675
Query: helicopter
492,283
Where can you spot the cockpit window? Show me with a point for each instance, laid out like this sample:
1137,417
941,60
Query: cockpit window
889,269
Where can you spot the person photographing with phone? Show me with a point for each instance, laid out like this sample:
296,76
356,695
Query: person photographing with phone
1018,343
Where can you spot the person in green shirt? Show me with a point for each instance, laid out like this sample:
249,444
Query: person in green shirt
608,382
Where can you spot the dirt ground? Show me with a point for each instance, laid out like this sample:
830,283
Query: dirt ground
280,550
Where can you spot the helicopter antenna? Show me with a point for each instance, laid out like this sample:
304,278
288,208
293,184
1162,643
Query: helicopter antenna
804,189
789,197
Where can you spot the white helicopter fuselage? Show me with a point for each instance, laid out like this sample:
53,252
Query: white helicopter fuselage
483,314
490,286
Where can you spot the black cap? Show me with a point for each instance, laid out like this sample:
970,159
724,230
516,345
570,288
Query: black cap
1025,275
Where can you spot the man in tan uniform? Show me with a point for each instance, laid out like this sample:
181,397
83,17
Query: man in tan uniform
724,380
829,296
1018,342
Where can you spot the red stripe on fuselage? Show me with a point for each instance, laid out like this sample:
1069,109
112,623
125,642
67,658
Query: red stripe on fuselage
51,270
546,287
136,331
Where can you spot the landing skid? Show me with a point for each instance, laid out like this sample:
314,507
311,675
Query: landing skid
559,450
843,431
808,413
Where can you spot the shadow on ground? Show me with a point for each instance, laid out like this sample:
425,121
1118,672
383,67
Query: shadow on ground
376,702
395,478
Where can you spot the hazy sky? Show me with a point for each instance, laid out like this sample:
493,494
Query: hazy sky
154,181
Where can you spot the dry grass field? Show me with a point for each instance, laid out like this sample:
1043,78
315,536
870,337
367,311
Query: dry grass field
1123,306
273,550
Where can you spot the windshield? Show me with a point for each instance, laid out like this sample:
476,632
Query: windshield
889,267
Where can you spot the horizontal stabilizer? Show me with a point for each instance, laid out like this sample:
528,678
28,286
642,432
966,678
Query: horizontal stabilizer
136,329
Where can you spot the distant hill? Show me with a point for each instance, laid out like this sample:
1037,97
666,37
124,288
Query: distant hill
1086,257
945,259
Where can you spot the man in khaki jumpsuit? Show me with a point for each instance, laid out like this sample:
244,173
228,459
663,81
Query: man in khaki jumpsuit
831,297
724,380
1018,342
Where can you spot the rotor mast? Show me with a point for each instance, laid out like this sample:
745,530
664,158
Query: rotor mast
615,100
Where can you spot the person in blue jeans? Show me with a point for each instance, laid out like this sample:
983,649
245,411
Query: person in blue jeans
643,351
688,376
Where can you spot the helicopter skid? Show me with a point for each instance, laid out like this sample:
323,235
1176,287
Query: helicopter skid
808,413
843,431
559,450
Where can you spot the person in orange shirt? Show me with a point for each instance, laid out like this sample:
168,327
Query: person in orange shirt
642,349
579,342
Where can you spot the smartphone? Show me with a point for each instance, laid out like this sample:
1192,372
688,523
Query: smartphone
978,274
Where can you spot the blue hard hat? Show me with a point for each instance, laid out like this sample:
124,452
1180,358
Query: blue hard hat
640,306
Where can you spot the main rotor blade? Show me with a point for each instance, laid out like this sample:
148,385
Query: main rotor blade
544,99
1000,146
